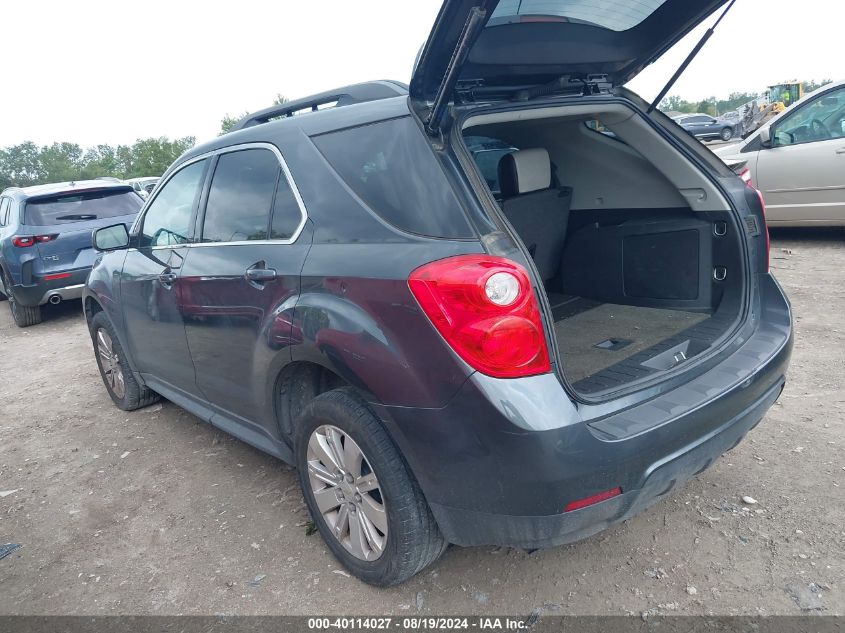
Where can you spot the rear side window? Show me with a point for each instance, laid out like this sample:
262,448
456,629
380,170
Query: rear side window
241,196
81,206
391,168
4,211
487,152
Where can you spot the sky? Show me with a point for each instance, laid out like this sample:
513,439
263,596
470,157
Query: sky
113,71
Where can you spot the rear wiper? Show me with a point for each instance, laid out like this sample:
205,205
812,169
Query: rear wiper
78,216
688,60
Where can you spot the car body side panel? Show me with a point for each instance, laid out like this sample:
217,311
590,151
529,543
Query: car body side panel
803,183
239,331
367,327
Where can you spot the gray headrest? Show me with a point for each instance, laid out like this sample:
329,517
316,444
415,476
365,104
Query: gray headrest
525,171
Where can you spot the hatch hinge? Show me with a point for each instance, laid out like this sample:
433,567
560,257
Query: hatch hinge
596,85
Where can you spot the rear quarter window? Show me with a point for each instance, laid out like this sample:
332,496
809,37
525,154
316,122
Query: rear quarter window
81,207
391,168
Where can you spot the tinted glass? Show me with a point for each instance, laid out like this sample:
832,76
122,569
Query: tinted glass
821,119
616,15
390,166
286,213
89,205
241,196
4,211
487,152
168,219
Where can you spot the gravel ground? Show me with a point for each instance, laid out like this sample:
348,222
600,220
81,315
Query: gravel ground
155,512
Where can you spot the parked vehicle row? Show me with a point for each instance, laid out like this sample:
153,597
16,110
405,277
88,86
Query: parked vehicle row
708,128
45,240
797,160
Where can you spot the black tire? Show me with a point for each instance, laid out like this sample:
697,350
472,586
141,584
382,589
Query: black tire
134,395
413,539
726,134
24,316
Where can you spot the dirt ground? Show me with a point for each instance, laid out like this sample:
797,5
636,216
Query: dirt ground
155,512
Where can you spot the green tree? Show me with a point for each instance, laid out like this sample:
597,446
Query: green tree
26,164
228,122
810,86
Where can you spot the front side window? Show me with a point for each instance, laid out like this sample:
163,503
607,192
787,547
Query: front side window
241,196
168,219
821,119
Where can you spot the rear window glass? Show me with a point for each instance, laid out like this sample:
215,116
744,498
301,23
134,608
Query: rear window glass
391,168
487,152
83,206
616,15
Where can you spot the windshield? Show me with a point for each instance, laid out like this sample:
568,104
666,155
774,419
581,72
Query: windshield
82,206
616,15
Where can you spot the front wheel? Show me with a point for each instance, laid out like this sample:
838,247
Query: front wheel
118,378
365,503
726,134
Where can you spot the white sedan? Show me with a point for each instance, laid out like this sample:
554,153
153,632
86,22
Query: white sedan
797,161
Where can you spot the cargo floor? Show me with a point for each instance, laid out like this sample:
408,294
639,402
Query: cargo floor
603,345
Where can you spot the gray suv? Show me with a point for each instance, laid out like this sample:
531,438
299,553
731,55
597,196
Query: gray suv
510,304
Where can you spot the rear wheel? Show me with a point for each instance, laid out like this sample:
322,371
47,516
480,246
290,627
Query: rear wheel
726,134
118,378
365,503
24,316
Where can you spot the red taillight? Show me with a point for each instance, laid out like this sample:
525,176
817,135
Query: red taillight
589,501
765,228
25,241
745,175
485,308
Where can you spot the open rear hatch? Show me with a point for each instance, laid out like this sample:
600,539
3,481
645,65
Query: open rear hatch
480,47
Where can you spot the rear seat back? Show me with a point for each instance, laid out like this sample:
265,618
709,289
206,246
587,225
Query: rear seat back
538,211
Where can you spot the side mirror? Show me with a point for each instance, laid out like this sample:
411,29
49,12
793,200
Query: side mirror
111,238
766,137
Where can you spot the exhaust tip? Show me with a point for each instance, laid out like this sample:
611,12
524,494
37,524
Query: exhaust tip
55,300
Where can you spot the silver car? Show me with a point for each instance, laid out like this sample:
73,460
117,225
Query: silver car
797,161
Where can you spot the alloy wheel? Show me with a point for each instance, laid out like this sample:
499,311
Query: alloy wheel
347,492
110,362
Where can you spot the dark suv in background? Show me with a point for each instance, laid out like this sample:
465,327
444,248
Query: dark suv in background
45,240
510,304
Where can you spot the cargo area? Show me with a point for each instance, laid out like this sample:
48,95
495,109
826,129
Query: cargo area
640,258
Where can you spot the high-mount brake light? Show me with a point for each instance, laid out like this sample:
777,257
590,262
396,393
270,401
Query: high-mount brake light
485,308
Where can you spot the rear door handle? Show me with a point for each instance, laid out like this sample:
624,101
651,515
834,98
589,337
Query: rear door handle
167,279
841,150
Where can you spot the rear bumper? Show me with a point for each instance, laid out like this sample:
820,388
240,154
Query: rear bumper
500,463
41,292
468,527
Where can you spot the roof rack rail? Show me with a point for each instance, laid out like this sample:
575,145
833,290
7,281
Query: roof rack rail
348,95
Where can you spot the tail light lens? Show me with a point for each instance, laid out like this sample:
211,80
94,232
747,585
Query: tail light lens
745,175
485,308
25,241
